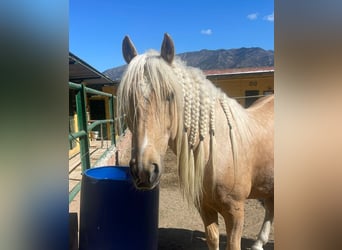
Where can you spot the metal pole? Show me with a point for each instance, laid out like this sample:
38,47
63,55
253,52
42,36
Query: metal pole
112,126
101,130
82,126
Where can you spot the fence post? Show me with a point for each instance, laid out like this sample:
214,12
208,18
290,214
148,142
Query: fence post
82,125
112,126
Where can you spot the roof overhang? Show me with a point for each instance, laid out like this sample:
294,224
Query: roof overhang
82,72
239,73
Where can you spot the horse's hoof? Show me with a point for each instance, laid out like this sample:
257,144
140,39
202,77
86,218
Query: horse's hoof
257,248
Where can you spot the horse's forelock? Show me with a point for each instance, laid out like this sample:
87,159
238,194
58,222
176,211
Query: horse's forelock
147,76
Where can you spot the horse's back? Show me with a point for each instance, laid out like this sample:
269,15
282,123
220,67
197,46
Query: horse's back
263,110
266,100
263,170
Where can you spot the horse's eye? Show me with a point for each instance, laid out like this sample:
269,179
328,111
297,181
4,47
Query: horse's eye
170,97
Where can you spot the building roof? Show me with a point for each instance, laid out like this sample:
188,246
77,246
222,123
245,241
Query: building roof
238,71
82,72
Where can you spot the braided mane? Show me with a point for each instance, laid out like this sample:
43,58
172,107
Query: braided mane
196,99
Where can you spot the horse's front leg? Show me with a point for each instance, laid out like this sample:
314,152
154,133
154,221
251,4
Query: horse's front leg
234,219
210,220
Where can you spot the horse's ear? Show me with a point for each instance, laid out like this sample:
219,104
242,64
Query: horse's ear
128,49
167,49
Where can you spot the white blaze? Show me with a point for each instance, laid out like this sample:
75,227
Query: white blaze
143,146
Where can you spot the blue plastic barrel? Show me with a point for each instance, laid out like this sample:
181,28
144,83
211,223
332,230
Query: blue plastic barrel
114,214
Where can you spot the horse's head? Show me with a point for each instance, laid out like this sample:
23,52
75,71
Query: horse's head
147,97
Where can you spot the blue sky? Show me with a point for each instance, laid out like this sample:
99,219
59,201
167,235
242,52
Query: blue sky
97,28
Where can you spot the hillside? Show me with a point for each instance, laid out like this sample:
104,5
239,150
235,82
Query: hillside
216,59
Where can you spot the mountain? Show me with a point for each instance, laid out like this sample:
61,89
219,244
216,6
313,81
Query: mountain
115,73
216,59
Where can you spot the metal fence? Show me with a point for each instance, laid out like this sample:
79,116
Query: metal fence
84,128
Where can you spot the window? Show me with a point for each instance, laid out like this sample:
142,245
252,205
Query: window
268,92
251,96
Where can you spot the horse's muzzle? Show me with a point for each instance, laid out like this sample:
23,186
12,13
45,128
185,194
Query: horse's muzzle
145,177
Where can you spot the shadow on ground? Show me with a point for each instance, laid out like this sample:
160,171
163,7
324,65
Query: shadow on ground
182,239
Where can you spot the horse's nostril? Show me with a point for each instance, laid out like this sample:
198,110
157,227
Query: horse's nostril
154,172
132,162
144,177
133,168
155,168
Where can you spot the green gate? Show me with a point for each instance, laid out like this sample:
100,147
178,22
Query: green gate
84,128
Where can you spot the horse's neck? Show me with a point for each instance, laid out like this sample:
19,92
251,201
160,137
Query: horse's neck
200,99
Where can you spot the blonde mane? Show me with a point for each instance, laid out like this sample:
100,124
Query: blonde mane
195,100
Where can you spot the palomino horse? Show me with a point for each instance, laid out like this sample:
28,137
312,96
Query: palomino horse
224,152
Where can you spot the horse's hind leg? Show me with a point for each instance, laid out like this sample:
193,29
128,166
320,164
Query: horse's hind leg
266,226
210,220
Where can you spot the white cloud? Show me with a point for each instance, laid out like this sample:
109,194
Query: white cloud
207,32
269,17
253,16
